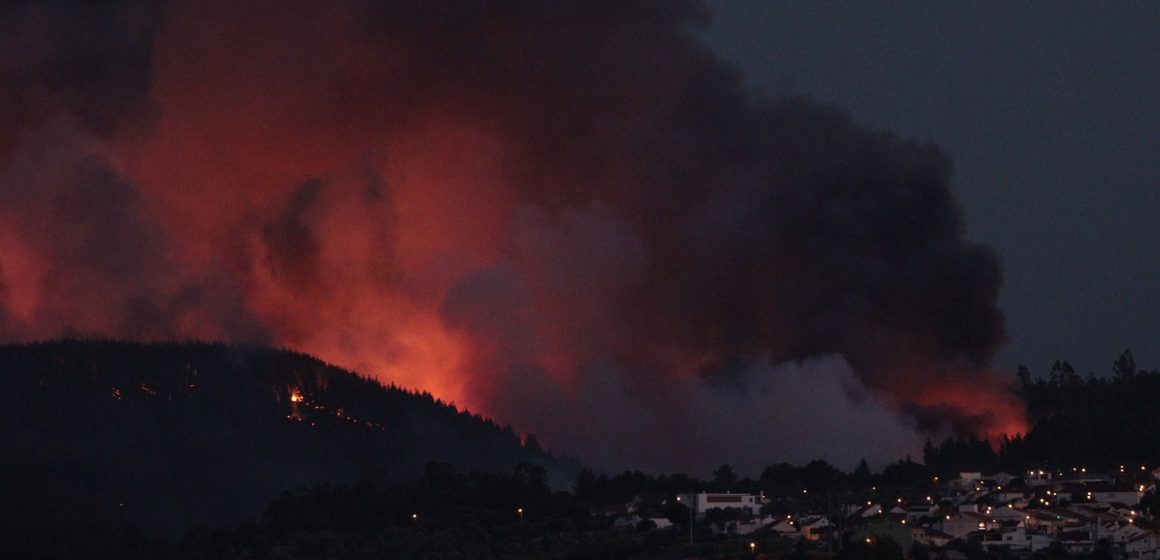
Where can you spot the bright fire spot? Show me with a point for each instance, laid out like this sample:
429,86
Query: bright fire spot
295,397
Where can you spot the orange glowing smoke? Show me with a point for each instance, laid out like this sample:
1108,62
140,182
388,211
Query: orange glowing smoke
992,410
453,199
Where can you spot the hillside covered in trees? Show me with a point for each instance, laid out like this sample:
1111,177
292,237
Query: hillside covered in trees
1095,421
171,436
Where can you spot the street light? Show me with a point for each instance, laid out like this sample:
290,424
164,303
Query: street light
752,548
520,512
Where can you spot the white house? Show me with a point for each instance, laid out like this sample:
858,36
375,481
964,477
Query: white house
1017,540
813,527
752,525
706,501
866,511
1119,533
1002,478
785,528
1144,546
628,522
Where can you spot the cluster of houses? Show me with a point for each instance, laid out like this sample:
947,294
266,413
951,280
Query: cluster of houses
1026,513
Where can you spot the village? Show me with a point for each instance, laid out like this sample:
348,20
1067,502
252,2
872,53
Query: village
1072,512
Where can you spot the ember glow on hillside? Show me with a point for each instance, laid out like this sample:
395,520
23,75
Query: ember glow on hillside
559,214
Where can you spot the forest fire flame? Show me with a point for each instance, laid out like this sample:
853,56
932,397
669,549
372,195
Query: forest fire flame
491,205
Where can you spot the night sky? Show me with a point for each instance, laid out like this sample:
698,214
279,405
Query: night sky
657,234
1051,113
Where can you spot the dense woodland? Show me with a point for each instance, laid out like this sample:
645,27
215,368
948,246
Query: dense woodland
218,451
171,436
1095,421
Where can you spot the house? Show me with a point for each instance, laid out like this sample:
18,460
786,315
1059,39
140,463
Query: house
1128,494
630,522
1002,478
706,501
1123,510
863,512
1006,513
915,513
1038,477
970,476
1077,541
813,527
930,537
960,524
1119,532
967,481
1143,546
1008,493
1017,540
751,525
785,528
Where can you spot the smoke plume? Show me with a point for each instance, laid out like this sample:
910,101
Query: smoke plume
568,215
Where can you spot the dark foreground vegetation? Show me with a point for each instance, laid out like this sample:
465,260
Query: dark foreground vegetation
171,436
447,514
200,451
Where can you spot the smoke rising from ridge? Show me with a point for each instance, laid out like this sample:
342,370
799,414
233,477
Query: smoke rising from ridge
524,208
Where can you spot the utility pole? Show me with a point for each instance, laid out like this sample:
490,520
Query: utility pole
691,504
692,511
829,524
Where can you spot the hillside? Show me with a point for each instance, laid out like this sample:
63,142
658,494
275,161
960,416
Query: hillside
171,436
1096,421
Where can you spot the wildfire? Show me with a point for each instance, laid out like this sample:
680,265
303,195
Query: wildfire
444,227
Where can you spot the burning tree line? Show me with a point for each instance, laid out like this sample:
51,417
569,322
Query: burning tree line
1092,420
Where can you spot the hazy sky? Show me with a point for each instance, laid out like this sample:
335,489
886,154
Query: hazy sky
1052,114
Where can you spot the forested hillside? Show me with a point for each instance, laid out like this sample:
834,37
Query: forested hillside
170,436
1094,421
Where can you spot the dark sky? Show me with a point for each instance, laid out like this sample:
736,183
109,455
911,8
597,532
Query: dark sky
1052,114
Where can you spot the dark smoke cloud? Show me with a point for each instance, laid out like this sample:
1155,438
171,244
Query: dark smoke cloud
84,258
89,60
562,214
